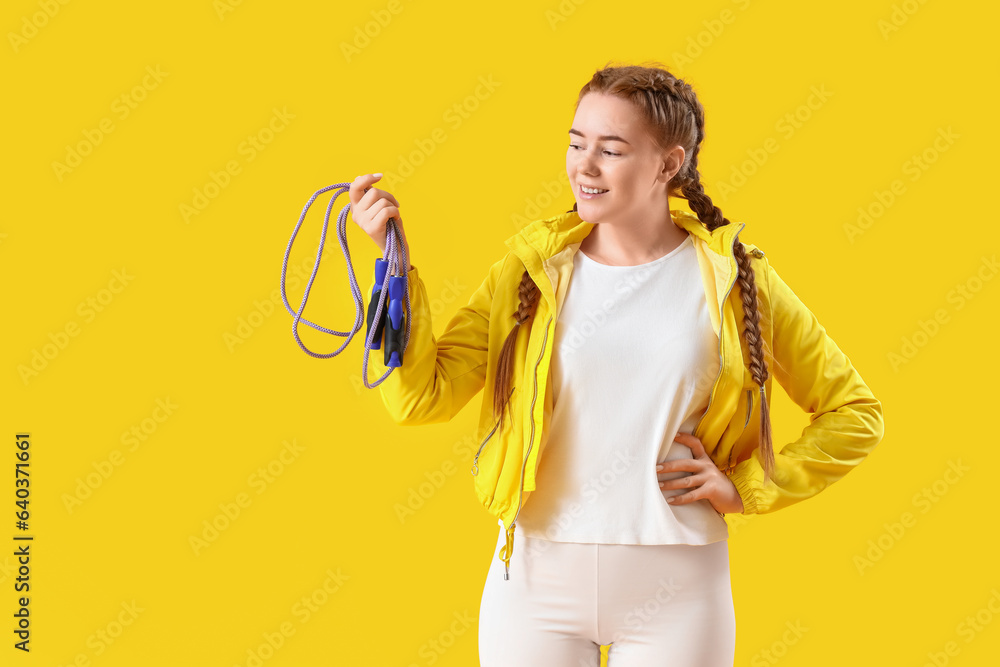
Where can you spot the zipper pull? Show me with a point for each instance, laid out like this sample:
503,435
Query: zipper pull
475,460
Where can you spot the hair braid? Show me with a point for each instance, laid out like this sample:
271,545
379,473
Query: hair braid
710,214
528,294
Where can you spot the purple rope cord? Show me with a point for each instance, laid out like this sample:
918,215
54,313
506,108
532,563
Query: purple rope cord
393,247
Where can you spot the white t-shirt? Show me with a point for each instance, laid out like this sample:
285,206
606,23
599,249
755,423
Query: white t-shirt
634,361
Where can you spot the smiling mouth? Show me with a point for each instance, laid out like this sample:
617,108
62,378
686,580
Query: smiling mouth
591,195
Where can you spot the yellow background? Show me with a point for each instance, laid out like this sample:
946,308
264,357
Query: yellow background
167,333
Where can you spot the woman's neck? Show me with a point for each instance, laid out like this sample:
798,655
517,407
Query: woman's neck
630,245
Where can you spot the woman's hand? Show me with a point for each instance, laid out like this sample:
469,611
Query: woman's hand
371,208
710,482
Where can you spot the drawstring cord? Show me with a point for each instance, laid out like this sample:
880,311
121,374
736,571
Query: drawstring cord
394,281
506,551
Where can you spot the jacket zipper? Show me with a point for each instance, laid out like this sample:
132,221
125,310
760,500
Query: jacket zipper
531,442
475,461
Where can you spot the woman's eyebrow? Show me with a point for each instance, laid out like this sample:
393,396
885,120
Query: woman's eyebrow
608,137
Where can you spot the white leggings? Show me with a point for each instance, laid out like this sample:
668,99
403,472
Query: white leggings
655,604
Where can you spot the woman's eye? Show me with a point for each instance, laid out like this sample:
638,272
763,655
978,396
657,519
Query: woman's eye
612,153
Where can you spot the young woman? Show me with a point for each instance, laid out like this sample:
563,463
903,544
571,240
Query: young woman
626,373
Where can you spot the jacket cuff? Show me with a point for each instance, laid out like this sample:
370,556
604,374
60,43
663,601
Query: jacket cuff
741,478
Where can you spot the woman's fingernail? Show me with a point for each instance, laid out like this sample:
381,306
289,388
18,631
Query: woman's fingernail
379,174
659,467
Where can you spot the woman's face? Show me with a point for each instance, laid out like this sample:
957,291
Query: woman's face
609,149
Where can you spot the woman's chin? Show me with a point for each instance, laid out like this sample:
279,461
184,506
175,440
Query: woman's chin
588,212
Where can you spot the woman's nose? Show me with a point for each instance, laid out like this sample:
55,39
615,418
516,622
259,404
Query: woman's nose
586,165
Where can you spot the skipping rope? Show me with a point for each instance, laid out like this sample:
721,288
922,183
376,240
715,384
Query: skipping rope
390,283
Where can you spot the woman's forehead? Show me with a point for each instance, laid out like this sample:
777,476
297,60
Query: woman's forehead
606,116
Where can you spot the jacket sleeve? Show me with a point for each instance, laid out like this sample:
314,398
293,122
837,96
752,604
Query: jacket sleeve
438,376
845,422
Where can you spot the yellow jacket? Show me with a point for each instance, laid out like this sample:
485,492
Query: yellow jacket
439,376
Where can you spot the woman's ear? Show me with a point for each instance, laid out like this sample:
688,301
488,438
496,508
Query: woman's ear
673,160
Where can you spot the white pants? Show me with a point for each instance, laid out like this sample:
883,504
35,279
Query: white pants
659,604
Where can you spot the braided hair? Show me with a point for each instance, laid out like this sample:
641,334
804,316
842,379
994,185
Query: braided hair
676,116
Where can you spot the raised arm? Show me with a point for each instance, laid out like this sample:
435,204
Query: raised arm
438,375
